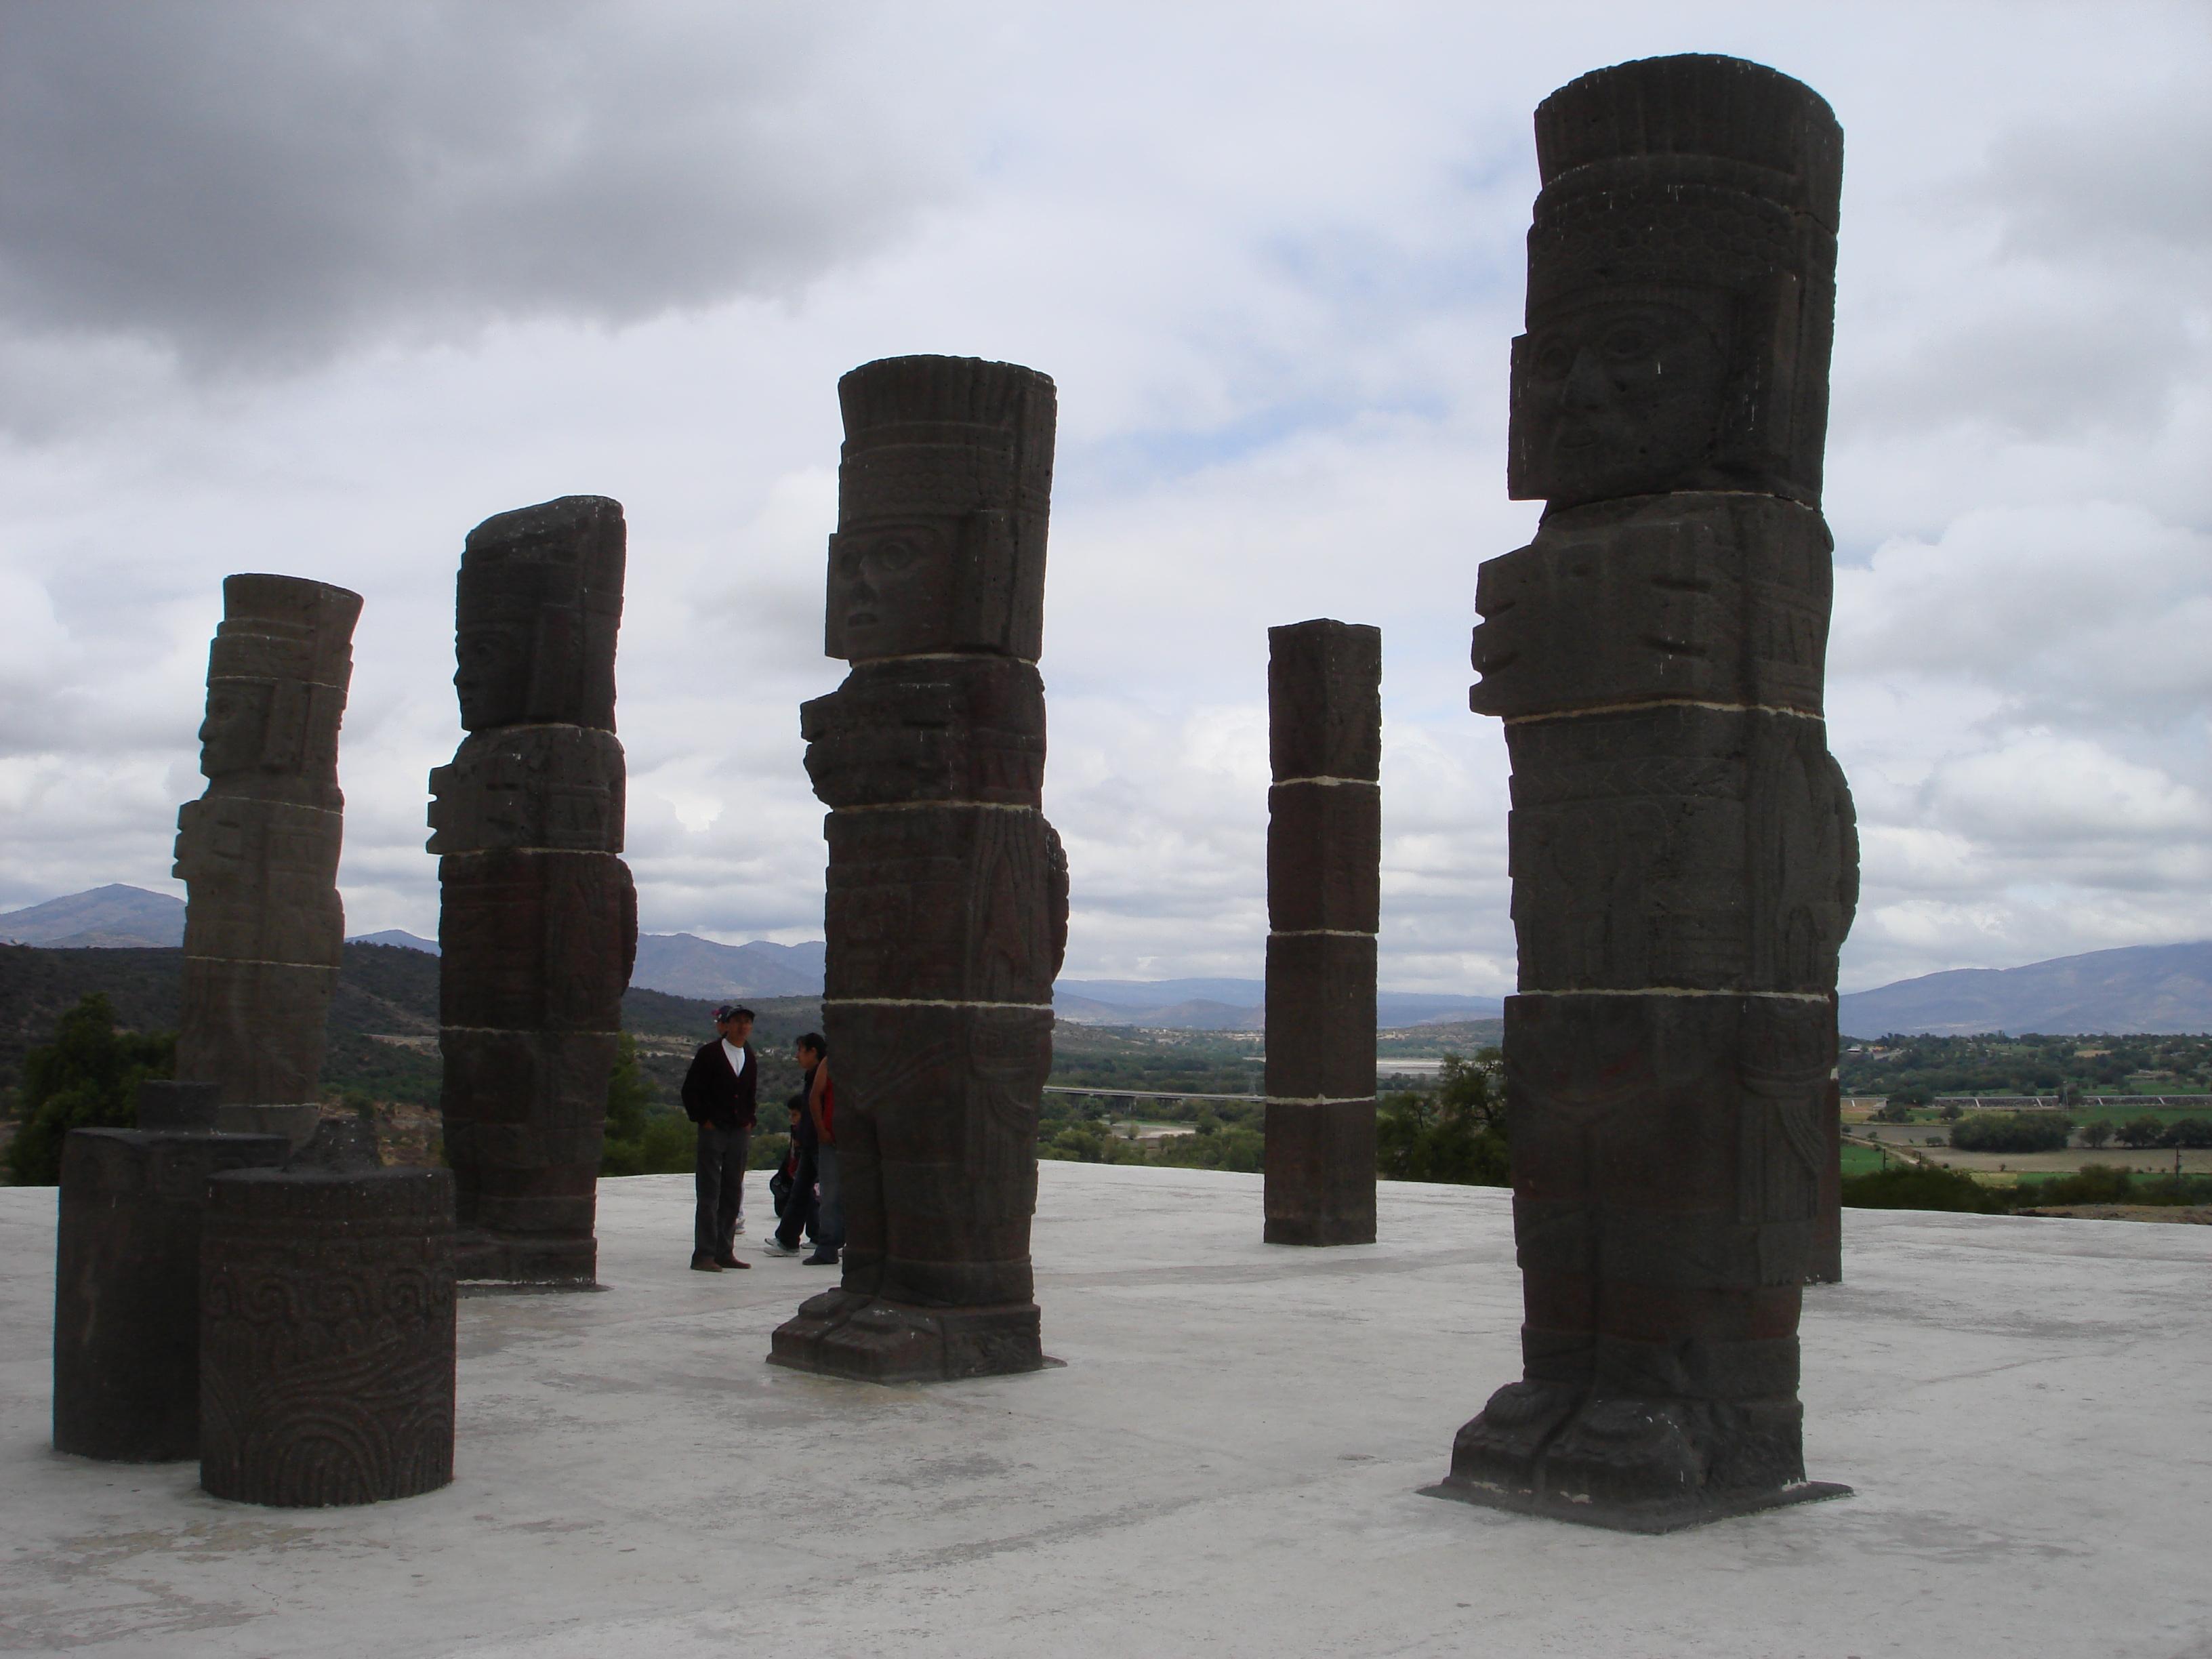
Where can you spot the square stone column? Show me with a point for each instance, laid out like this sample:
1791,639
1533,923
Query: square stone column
1324,894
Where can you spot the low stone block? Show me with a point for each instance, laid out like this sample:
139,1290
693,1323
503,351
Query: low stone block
327,1336
126,1287
1320,1017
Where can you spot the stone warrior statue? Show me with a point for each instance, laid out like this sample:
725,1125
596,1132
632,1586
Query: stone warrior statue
947,904
538,922
1684,859
258,853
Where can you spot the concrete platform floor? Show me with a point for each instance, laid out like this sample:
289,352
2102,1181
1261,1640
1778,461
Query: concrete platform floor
1226,1466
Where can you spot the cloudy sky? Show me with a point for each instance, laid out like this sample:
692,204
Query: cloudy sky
314,288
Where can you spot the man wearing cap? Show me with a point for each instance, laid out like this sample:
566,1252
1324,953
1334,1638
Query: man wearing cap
719,1091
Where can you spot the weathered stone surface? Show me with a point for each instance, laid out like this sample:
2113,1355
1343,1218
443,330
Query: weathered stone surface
1684,852
1687,848
532,939
938,902
126,1287
1325,701
1826,1266
327,1335
167,1104
946,912
258,852
929,729
1320,1172
1320,1017
1692,596
559,788
943,492
537,610
537,924
1325,857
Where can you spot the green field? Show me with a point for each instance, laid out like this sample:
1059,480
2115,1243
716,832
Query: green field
1860,1160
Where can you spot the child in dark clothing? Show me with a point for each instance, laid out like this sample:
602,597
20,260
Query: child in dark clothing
781,1186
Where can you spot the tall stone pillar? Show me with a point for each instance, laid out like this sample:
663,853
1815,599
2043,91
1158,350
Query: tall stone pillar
538,925
258,852
1324,894
1684,859
947,904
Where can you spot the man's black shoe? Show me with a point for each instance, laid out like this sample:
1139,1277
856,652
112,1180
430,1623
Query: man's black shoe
728,1262
705,1264
821,1258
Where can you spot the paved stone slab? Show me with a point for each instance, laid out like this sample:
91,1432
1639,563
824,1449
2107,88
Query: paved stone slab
1229,1463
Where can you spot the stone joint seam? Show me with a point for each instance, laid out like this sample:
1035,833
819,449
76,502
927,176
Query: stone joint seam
940,805
1662,703
1331,783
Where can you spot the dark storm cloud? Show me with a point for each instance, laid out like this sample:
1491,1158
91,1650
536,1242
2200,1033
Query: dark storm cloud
252,184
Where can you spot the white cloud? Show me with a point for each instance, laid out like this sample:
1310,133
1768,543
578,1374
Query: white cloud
442,261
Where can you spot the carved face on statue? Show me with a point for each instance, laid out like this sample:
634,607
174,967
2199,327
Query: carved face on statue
893,586
235,732
492,677
1615,398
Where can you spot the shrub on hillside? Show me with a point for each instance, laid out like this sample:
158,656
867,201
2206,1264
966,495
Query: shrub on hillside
2010,1132
2144,1131
642,1138
2188,1131
1457,1134
1918,1187
86,1078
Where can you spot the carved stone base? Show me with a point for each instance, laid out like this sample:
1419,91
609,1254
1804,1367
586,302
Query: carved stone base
1635,1464
560,1263
327,1335
1634,1517
844,1334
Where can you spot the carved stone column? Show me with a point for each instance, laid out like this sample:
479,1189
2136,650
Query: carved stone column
327,1331
1324,893
258,852
1684,859
538,925
947,904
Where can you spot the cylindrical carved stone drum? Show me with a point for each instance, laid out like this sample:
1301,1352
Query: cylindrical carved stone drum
126,1285
326,1335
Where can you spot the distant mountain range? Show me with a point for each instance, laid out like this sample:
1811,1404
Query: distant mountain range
685,965
113,917
1233,1005
2138,987
2142,988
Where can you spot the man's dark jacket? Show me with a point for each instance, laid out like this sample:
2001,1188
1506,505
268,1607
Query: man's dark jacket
714,1094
